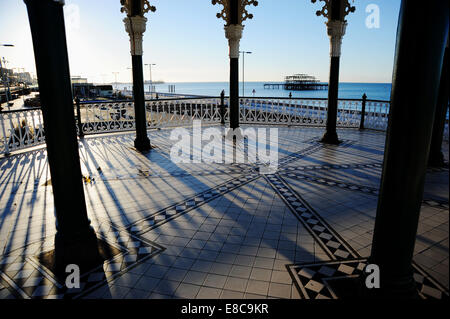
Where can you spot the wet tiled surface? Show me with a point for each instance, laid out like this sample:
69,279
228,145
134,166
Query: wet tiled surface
215,230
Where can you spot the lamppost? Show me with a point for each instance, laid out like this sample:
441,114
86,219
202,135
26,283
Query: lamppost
115,78
21,72
243,70
5,81
234,13
151,81
135,25
335,11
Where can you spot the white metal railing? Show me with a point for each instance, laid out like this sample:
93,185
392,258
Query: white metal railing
310,112
119,116
376,116
170,113
24,128
106,117
20,129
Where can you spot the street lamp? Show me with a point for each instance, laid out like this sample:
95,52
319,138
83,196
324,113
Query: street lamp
151,81
243,70
5,81
131,69
115,78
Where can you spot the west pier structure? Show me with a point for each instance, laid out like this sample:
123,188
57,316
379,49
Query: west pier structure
298,82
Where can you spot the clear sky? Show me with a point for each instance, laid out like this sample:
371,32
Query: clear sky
187,42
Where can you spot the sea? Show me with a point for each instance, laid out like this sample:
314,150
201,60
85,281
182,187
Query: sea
374,91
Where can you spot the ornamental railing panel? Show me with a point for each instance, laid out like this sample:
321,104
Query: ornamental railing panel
309,112
20,129
107,117
377,115
171,113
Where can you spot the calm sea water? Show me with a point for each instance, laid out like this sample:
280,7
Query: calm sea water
374,91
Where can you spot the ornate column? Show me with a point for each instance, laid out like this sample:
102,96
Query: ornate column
335,11
436,158
421,37
234,13
135,25
75,240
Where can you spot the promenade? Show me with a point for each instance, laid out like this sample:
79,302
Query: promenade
215,230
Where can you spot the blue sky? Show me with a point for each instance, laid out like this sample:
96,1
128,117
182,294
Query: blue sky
187,41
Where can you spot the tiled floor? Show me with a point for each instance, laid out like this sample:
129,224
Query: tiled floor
216,230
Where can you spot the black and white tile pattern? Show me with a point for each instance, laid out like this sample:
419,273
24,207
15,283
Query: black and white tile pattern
29,279
331,167
312,280
183,207
330,182
330,241
300,173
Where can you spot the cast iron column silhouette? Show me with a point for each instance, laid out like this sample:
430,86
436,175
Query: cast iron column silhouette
335,11
436,158
135,25
234,13
75,240
421,38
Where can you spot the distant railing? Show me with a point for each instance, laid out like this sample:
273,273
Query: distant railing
24,128
119,116
21,129
312,112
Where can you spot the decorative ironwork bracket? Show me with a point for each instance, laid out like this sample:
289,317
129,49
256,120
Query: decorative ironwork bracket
146,7
243,13
346,8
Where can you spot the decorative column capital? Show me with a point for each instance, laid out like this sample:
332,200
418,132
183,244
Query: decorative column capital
336,24
135,22
336,30
135,26
233,33
233,19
